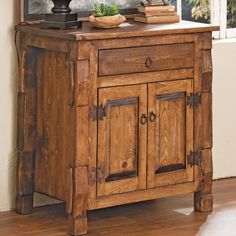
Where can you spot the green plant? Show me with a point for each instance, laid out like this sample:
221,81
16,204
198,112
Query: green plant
106,10
231,13
201,9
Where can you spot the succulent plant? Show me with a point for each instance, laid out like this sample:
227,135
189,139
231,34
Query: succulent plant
106,10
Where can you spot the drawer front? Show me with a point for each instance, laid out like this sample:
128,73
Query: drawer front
144,59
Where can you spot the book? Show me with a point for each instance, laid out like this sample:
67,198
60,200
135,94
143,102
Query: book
145,14
158,2
151,9
157,19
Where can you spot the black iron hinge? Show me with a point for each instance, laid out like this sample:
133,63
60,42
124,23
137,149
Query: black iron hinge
97,112
194,158
194,99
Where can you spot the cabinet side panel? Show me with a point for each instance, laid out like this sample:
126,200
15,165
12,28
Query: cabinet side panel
54,124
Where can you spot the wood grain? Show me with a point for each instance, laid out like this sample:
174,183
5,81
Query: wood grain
206,71
55,117
130,29
140,78
121,149
26,132
144,59
77,219
171,134
93,135
203,199
144,41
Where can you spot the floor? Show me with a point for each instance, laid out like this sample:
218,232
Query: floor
166,217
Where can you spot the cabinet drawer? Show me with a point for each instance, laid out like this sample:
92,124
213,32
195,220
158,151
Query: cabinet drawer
144,59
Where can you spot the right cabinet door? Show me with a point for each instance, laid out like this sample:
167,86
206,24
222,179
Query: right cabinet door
170,133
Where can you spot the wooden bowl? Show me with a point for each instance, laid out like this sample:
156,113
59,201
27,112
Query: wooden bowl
107,21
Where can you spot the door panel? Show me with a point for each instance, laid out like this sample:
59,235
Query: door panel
170,133
122,140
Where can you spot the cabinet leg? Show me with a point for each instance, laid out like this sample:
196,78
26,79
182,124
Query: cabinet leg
77,225
24,204
26,128
203,199
77,205
25,183
203,203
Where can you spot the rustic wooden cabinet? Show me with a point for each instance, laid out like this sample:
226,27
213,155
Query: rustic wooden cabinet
109,117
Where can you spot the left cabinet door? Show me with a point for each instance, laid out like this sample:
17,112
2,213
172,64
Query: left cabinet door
122,134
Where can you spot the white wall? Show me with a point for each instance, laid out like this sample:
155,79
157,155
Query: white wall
8,85
224,58
224,108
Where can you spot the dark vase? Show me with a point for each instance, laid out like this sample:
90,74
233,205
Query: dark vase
61,7
61,17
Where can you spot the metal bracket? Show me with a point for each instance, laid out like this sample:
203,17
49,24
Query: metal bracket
97,112
194,158
194,100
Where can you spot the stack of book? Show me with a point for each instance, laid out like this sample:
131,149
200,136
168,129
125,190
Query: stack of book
155,11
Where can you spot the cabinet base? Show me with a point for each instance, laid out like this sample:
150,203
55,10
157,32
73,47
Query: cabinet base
77,225
203,203
24,204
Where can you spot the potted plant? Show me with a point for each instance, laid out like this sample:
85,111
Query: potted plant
106,16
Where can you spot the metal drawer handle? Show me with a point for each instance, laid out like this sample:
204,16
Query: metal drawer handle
143,119
152,116
148,62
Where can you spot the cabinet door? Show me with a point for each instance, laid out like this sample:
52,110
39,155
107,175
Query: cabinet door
122,135
170,133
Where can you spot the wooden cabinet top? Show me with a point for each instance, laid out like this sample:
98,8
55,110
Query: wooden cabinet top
128,29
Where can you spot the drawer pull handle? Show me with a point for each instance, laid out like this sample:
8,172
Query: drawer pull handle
143,119
152,116
148,62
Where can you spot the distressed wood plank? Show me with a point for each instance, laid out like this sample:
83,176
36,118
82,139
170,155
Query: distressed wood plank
26,130
140,78
206,71
145,59
82,129
170,134
77,220
121,140
143,41
203,199
82,82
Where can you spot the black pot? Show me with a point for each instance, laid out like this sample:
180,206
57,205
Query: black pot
61,17
61,7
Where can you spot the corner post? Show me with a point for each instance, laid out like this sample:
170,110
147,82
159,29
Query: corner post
26,128
79,194
77,218
203,199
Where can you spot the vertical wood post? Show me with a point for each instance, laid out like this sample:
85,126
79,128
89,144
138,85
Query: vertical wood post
26,130
203,199
77,219
77,205
79,198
